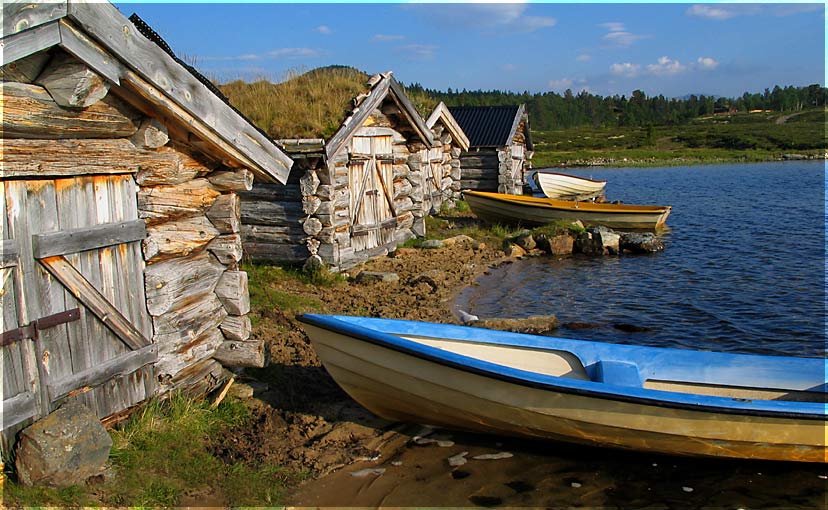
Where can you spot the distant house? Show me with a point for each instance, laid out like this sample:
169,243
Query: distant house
500,147
352,197
119,232
444,186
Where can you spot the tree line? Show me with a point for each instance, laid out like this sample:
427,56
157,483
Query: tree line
550,110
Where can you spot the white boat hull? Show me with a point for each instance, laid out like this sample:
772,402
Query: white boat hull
568,187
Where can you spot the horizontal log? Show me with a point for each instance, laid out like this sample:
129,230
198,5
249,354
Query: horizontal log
227,249
198,379
176,283
30,112
270,213
71,83
151,134
276,253
87,238
122,365
72,157
273,193
177,238
173,358
164,203
19,408
274,233
181,325
478,173
178,167
225,213
481,161
229,180
231,290
236,327
26,69
237,354
479,184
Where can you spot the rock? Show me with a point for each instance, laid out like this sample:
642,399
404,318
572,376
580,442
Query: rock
561,245
458,460
64,448
459,239
403,252
608,239
432,244
467,318
377,276
794,157
525,241
362,473
241,391
493,456
640,243
535,325
585,244
478,246
314,263
515,251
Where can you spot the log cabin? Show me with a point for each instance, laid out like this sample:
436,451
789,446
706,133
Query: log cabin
120,228
352,197
500,147
452,141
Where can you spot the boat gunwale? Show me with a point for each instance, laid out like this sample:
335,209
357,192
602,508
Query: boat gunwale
643,396
596,181
553,203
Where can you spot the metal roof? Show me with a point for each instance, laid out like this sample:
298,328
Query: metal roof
486,126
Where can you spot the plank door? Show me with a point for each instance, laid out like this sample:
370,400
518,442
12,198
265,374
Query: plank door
371,179
78,307
432,174
518,163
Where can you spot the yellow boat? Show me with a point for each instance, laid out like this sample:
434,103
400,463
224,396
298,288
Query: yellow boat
529,211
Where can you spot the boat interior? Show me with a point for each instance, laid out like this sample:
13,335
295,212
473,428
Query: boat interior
559,363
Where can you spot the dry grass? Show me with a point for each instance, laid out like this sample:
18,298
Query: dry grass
309,105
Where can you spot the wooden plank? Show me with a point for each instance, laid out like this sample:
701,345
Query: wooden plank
8,253
112,30
411,113
99,374
87,238
18,408
30,112
95,301
18,46
19,16
87,51
135,260
344,134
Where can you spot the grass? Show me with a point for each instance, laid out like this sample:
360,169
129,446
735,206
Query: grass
164,452
264,295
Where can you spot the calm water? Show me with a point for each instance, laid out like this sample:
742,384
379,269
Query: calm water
743,271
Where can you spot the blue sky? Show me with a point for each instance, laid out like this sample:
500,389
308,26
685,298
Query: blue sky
670,49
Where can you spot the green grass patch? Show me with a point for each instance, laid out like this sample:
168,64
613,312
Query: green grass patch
264,294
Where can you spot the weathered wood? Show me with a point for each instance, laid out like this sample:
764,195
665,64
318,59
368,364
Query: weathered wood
237,354
311,204
227,249
8,253
173,358
273,192
225,213
19,408
21,45
25,70
178,238
30,112
99,374
232,292
410,112
312,226
236,328
20,16
176,283
228,180
181,325
108,26
163,203
87,238
84,292
152,134
270,213
346,131
479,161
276,253
173,166
308,183
198,379
70,158
71,83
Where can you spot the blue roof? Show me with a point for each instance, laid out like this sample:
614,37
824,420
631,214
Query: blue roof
486,126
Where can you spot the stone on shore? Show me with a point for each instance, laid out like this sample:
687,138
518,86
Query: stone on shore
534,325
377,276
432,244
640,243
65,448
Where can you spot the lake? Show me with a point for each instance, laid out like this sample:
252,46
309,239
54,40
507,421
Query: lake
743,269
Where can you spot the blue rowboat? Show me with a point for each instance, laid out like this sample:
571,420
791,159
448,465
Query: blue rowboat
641,398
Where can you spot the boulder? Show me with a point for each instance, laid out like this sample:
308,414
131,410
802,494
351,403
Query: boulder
432,244
525,241
586,244
562,244
65,448
534,325
608,239
514,250
640,243
377,276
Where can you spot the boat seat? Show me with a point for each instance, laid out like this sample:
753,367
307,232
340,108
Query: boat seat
620,373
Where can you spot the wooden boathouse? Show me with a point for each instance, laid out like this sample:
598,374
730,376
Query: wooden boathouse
354,196
451,141
500,147
120,227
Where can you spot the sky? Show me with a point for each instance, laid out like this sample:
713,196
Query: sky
605,48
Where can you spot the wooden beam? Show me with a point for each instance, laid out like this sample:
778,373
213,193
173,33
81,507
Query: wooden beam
346,131
23,44
95,376
18,408
91,297
111,29
86,50
88,238
8,253
410,111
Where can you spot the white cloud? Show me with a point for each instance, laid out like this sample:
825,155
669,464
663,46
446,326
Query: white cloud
387,37
618,36
562,84
707,63
613,26
625,69
717,12
418,51
583,57
666,67
278,53
324,29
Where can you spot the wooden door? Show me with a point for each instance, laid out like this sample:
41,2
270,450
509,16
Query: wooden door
518,162
75,322
432,179
371,179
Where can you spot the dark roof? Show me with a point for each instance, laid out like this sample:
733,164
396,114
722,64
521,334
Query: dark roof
486,126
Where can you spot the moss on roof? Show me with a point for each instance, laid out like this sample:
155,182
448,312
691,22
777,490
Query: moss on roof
309,105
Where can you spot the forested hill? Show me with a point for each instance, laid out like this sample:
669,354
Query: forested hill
550,110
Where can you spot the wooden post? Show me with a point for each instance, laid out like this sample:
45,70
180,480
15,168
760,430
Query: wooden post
232,292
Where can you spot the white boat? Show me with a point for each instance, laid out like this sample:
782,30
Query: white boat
568,187
641,398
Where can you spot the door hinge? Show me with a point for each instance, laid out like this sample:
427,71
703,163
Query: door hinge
32,329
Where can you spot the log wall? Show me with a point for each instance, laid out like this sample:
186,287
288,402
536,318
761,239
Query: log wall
194,296
497,169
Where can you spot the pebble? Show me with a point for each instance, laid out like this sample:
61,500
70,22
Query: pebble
396,463
823,477
458,460
362,473
687,489
493,456
575,485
